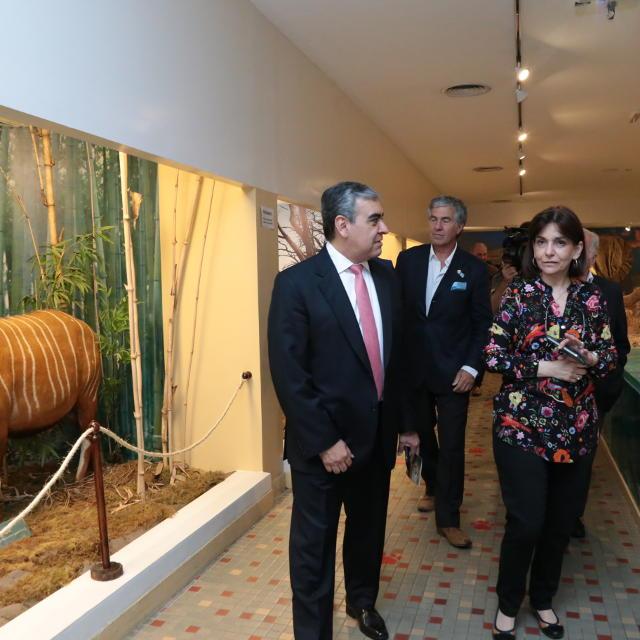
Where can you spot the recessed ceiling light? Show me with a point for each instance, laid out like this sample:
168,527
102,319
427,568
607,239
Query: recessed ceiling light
466,90
523,172
522,136
488,169
523,73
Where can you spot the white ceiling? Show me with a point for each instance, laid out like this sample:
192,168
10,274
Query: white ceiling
394,57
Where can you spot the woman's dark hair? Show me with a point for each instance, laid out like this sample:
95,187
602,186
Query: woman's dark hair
570,227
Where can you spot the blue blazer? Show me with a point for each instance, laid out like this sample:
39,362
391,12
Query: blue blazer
455,330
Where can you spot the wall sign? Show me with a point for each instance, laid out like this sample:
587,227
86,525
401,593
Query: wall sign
267,219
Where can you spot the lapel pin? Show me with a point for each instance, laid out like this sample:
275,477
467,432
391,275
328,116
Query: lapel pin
460,273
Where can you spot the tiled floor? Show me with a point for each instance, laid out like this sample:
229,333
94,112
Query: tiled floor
429,590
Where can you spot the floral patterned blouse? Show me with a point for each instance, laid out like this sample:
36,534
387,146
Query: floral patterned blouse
546,416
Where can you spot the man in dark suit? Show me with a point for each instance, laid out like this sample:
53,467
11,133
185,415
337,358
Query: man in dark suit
447,315
334,338
607,389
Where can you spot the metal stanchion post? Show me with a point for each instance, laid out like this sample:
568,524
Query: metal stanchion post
107,570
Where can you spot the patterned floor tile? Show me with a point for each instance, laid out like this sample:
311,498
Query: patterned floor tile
428,589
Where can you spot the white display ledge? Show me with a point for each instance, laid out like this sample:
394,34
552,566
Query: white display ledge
156,565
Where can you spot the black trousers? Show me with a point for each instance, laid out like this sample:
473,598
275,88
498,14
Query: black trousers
543,500
443,458
317,499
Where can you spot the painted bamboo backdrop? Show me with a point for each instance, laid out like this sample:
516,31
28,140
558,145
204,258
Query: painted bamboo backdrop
87,194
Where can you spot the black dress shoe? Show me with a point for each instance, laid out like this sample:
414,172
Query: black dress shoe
578,530
370,622
550,629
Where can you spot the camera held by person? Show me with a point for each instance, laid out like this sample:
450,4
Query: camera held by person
513,248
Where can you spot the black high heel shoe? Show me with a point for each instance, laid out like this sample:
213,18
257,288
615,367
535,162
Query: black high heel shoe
499,634
550,629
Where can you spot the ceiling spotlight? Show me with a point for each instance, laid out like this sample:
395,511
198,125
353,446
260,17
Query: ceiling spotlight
521,95
521,157
522,136
522,73
627,228
523,171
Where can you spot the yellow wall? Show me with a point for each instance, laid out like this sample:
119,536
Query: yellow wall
411,243
392,245
235,264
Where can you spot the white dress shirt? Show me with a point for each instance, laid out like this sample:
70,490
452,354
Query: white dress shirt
434,276
348,279
436,273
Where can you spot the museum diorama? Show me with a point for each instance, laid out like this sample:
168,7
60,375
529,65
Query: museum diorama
82,339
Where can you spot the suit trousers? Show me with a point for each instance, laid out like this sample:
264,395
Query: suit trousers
543,500
443,458
317,500
599,426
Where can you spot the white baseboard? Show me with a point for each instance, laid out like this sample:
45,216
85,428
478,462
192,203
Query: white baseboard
156,565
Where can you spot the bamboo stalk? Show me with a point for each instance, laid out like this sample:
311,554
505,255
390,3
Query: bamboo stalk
18,198
92,197
49,193
176,289
195,314
34,131
4,241
134,336
167,395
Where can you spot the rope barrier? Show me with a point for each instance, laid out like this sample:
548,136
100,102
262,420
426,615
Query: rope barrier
150,454
54,478
158,454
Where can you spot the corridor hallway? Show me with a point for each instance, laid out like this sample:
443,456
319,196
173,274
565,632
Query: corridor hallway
429,590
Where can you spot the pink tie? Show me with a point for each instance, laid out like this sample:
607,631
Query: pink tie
368,324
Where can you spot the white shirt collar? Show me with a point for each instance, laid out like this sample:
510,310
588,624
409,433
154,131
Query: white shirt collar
447,262
341,262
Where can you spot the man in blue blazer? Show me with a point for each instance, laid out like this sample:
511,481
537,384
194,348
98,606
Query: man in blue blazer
447,314
334,342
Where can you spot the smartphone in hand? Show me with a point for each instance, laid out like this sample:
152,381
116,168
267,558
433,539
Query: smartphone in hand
568,351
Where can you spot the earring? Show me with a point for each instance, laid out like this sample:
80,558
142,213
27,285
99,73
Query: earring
575,262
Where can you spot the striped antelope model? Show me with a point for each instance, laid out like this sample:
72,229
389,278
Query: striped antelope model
49,364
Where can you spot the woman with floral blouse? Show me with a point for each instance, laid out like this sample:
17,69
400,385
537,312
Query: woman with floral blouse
545,413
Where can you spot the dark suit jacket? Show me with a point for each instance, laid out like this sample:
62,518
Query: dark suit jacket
456,329
608,389
320,367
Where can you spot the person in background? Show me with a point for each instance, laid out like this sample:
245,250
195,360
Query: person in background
500,282
480,251
447,313
544,428
334,334
513,247
607,389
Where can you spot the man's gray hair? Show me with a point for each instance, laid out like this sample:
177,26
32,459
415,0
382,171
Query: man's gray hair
459,207
595,239
340,200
